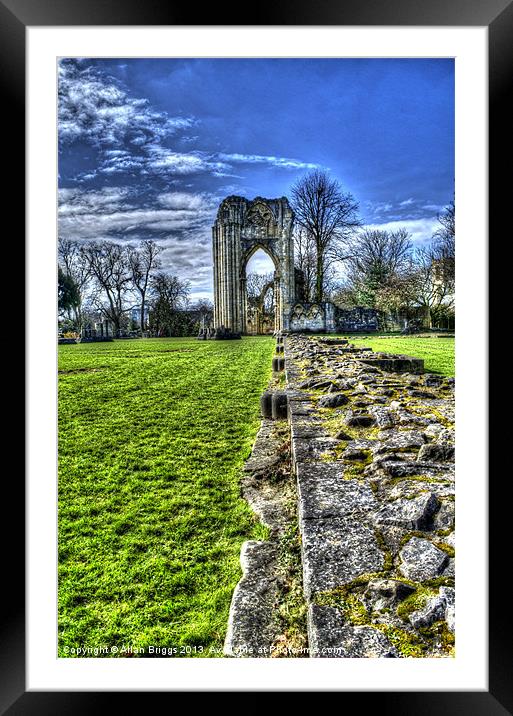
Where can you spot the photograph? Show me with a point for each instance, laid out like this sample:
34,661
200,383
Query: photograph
256,357
258,311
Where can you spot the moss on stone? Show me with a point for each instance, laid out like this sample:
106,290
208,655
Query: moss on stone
350,605
388,559
413,533
408,644
439,632
444,533
440,582
291,611
415,601
418,478
445,548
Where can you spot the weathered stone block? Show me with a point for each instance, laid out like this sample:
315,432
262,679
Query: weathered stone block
385,593
266,410
384,417
323,493
251,624
311,449
432,611
410,514
436,453
330,637
395,363
279,405
444,518
421,560
334,400
361,420
399,441
336,551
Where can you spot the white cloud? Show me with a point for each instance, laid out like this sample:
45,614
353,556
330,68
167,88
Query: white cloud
95,108
407,202
156,159
164,160
74,202
421,230
185,200
180,222
282,162
378,207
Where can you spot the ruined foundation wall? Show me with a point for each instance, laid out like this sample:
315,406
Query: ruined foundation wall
372,468
373,455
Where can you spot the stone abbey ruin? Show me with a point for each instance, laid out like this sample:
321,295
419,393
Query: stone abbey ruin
241,228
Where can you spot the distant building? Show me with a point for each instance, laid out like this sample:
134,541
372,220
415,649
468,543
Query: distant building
135,314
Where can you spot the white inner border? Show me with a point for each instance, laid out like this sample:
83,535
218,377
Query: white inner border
468,670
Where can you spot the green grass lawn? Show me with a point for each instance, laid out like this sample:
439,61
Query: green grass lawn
152,436
438,353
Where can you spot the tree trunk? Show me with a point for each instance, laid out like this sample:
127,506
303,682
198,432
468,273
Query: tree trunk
319,280
142,314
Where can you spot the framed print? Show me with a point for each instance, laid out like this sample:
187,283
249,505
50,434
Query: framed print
153,147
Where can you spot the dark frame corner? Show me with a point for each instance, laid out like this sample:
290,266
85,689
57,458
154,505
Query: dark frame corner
497,15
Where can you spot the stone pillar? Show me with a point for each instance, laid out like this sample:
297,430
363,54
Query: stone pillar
244,305
216,273
278,302
239,325
329,318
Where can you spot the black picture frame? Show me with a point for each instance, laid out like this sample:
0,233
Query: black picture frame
497,16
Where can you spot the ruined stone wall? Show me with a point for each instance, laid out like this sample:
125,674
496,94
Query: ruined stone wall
372,473
308,317
356,320
325,317
241,228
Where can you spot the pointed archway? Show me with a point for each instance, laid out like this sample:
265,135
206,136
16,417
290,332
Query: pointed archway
258,287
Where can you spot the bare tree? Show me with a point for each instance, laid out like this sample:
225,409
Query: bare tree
432,286
328,215
112,278
446,232
444,242
306,261
142,261
169,296
74,264
205,308
396,298
170,288
256,283
374,259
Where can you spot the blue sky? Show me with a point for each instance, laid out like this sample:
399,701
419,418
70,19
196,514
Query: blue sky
149,147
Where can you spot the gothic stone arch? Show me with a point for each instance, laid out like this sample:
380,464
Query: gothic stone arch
241,228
